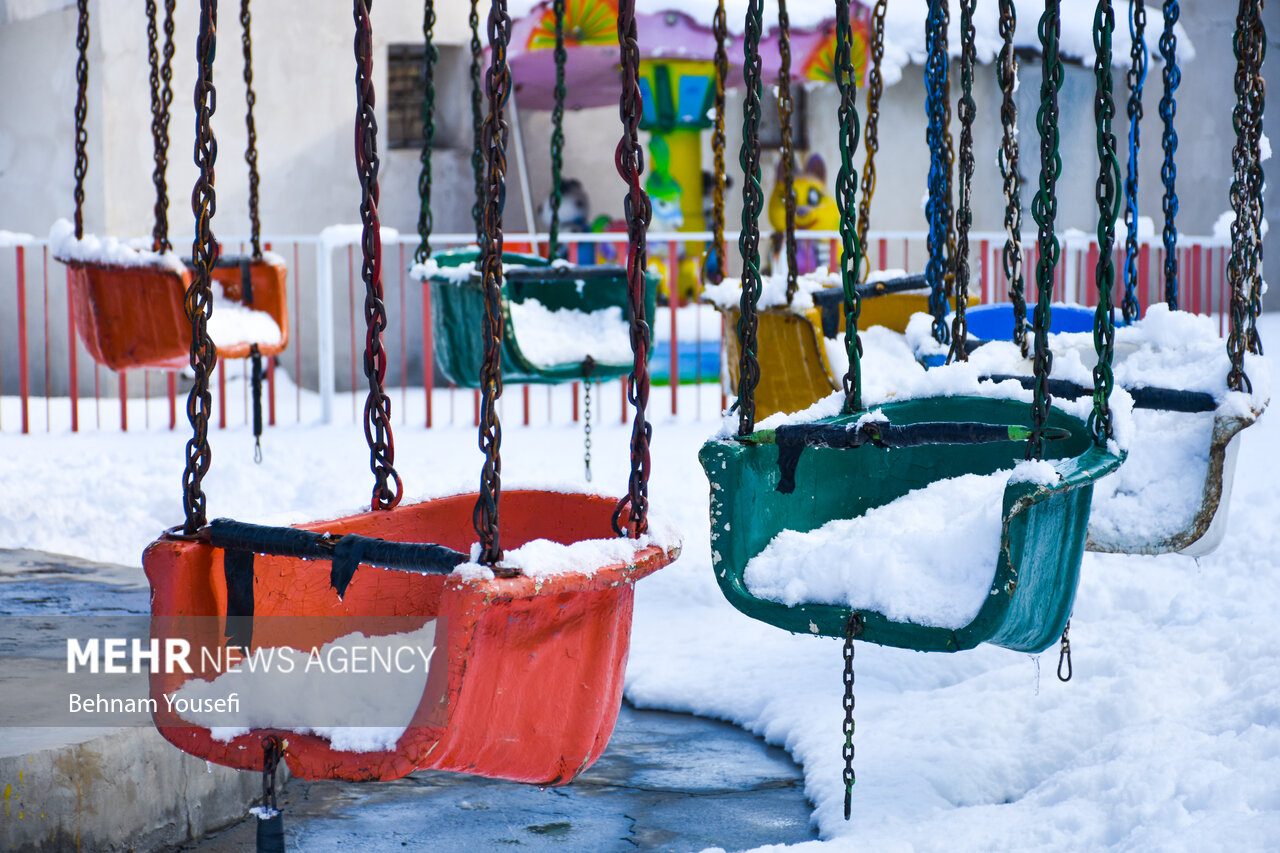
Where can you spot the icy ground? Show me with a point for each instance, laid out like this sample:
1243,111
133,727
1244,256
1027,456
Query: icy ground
1168,737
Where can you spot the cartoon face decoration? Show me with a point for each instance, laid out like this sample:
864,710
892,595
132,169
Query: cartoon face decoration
664,191
815,209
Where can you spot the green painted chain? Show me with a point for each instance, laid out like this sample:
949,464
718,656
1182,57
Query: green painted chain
787,152
1243,271
846,203
430,55
715,272
871,132
1011,257
557,136
964,214
752,203
1108,197
1044,208
251,132
477,119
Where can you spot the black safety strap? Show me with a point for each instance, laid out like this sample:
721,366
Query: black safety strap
1162,399
237,566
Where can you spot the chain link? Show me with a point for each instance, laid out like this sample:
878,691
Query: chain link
752,203
1243,269
846,203
272,752
935,70
871,133
251,132
1169,141
477,120
161,79
557,134
1107,194
1044,209
387,488
629,160
964,214
1137,76
430,55
1011,258
1064,645
198,302
787,152
714,272
82,110
494,145
586,427
950,148
853,629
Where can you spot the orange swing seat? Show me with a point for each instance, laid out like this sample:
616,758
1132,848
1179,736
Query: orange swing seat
526,676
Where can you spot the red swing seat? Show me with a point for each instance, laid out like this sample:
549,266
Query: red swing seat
526,679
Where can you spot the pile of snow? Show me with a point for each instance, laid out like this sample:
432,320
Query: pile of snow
9,239
306,692
927,558
543,558
773,291
565,336
232,322
108,250
335,236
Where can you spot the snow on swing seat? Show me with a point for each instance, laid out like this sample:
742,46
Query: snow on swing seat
129,302
525,673
561,323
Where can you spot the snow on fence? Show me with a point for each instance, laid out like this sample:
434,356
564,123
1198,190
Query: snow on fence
48,381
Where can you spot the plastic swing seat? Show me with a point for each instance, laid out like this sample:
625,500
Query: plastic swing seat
458,306
994,322
134,316
1043,528
526,677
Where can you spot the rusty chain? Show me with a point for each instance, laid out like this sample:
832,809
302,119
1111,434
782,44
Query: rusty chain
964,215
1108,198
251,132
160,60
493,140
1136,77
871,132
430,54
629,160
82,110
557,134
749,238
787,152
199,297
477,119
715,272
387,488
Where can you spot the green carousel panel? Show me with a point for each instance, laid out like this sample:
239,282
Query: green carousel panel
457,312
1042,537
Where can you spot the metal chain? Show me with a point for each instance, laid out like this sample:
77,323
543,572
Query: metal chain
387,488
1169,141
251,133
629,160
787,152
871,134
752,203
720,25
935,71
557,134
949,148
1243,271
199,297
477,120
586,427
964,214
1044,209
1137,76
161,79
430,55
272,751
846,203
851,630
1007,73
82,110
1064,645
493,142
1107,194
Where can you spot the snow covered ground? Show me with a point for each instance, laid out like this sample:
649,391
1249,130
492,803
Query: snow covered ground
1168,737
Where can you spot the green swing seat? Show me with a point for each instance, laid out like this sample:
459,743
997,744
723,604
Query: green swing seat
457,307
1042,537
